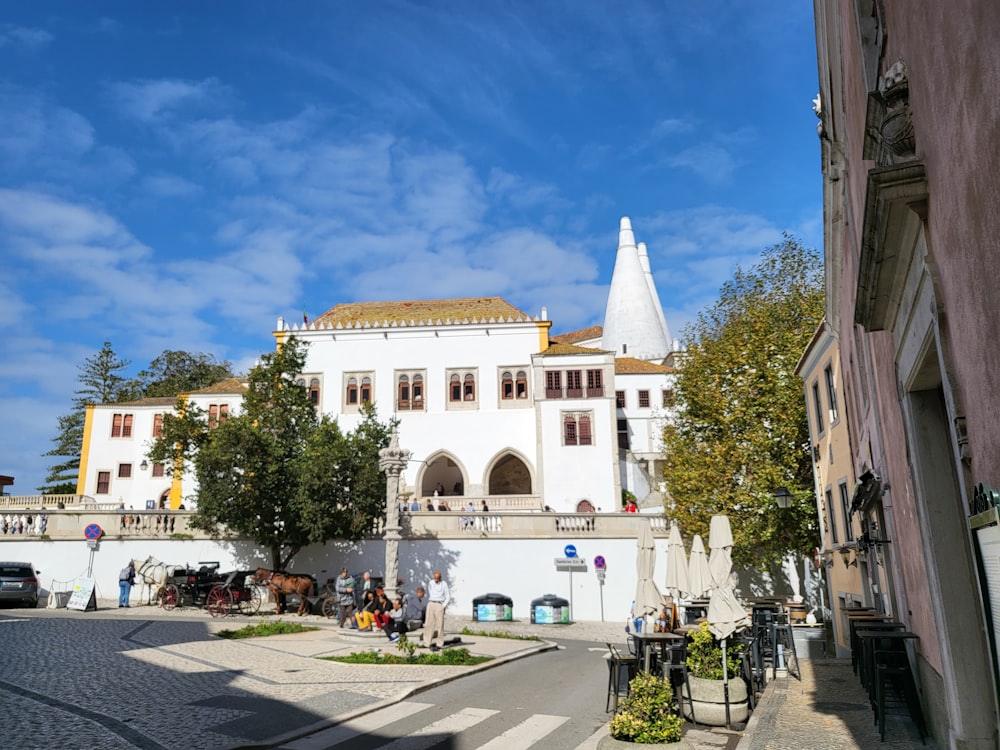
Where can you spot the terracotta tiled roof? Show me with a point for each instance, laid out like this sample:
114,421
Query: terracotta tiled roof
224,387
157,401
633,366
562,349
584,334
428,312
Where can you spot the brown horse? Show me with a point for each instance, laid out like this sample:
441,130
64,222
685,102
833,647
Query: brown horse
283,583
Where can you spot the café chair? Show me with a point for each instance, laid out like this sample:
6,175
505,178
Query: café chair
621,670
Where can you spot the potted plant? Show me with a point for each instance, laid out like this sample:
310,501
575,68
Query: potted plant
646,718
708,688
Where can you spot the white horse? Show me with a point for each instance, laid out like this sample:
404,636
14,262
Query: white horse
153,574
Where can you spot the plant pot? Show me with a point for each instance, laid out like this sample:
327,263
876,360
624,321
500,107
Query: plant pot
709,700
607,742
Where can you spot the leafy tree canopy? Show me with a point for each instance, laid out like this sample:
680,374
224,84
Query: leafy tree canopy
277,472
175,372
741,427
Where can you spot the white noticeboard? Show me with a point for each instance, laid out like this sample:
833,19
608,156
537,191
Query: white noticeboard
83,597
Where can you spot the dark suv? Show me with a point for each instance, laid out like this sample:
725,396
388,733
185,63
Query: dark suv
19,583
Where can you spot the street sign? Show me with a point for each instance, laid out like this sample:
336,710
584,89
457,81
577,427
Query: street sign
93,531
600,576
600,563
570,565
569,550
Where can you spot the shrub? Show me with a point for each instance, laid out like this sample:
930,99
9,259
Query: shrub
647,713
704,655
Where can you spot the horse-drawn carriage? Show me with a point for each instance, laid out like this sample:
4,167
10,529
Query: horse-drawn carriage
217,592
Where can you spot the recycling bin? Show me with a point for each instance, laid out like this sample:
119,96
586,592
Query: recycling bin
550,610
492,608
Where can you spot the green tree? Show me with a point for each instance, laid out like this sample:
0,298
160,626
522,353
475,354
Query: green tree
276,472
175,372
101,382
741,429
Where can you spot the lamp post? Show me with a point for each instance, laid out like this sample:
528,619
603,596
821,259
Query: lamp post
392,460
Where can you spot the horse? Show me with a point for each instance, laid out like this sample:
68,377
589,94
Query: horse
281,584
153,574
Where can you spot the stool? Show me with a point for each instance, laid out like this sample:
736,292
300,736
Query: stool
675,672
894,683
783,636
621,670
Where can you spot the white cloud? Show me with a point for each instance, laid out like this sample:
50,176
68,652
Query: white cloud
24,38
710,161
164,185
149,100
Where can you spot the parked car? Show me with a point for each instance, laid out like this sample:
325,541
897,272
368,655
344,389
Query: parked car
19,583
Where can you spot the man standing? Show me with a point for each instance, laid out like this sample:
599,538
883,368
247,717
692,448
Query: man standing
439,596
345,596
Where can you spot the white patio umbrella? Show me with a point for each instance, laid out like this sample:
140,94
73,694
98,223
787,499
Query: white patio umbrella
725,614
648,599
699,576
677,564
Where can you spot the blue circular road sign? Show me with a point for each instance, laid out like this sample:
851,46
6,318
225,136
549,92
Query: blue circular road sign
600,563
93,531
570,550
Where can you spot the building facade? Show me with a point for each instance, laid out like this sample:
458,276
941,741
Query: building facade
490,406
908,112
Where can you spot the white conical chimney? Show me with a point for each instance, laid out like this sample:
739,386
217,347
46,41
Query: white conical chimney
644,262
632,320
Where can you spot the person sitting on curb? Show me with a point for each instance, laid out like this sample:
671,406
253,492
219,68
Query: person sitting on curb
364,618
396,622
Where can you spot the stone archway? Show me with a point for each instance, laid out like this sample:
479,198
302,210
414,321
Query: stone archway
509,476
585,506
444,474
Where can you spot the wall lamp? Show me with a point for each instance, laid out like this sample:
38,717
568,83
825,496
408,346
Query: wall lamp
782,497
144,465
845,555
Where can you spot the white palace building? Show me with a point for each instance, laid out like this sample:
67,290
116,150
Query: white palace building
490,404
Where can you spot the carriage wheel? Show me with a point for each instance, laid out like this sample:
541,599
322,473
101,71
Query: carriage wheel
249,601
170,597
219,601
330,607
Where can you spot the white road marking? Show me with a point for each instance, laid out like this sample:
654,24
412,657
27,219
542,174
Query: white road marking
432,734
355,727
527,733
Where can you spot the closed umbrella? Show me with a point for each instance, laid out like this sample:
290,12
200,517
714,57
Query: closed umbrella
725,614
699,576
648,599
677,564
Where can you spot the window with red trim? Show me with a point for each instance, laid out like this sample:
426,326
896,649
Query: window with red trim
577,428
574,384
103,482
159,470
553,384
643,399
157,425
595,384
124,471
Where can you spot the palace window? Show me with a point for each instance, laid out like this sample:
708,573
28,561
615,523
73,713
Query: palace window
553,384
620,399
103,482
623,441
668,397
461,388
124,471
513,386
157,425
643,399
121,426
159,470
574,384
521,384
507,386
358,389
217,414
410,391
577,428
595,384
314,390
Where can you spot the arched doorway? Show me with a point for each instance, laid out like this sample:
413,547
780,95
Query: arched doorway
510,476
442,473
585,506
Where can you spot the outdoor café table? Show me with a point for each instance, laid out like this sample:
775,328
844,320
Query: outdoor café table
868,623
647,643
878,640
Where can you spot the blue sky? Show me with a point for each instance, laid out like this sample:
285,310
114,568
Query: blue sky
178,175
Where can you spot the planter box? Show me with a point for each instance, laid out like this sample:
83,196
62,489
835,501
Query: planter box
709,700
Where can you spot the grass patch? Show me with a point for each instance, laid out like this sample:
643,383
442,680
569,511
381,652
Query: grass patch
449,657
500,634
262,629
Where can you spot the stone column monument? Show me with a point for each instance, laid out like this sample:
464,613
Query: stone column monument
392,460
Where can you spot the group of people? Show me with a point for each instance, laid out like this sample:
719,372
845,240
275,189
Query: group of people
23,523
443,505
425,609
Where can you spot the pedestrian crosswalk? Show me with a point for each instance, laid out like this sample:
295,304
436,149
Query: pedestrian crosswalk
418,728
